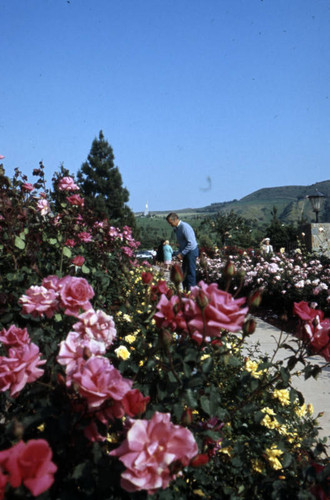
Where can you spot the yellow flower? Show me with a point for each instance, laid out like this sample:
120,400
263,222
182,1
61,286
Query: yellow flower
268,410
272,454
112,438
300,411
269,423
257,465
127,318
41,427
199,493
130,339
141,363
252,367
122,352
226,451
205,356
283,396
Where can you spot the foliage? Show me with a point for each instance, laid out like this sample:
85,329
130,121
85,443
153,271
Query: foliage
102,186
169,352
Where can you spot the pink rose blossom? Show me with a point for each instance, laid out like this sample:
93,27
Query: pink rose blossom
30,463
151,446
76,200
27,186
67,184
78,260
51,282
127,251
43,207
221,310
2,157
96,325
20,367
75,294
39,301
98,381
72,351
170,314
14,336
85,236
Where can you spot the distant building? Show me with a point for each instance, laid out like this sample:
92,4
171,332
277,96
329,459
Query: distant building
146,210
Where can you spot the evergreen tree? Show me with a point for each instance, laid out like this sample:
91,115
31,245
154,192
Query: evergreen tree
102,186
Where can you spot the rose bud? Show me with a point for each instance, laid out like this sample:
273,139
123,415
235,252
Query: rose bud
165,338
200,460
78,260
176,274
201,299
249,326
187,417
229,269
254,299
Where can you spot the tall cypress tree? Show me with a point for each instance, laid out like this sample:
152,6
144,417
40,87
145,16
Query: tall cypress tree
102,186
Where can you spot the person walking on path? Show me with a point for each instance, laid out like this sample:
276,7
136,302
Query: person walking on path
168,252
159,259
188,249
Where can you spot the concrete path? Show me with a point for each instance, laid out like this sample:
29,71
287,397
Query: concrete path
314,391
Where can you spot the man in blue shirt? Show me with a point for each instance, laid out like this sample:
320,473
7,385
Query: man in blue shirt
188,249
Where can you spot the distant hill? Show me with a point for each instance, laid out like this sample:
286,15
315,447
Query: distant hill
290,201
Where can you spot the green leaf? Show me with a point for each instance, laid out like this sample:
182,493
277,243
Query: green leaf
52,241
19,243
85,269
191,398
67,252
207,365
205,404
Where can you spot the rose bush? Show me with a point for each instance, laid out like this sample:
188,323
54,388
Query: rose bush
125,387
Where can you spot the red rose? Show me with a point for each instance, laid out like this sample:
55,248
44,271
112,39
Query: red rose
147,277
78,260
135,403
305,312
200,460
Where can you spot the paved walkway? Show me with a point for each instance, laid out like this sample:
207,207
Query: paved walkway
314,391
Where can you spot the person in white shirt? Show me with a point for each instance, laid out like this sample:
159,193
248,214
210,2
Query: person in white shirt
265,246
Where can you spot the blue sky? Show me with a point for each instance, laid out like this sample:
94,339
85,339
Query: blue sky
235,91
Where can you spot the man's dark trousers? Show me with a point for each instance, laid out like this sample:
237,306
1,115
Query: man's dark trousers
189,268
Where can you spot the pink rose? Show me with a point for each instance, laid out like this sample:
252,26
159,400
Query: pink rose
85,236
14,336
27,186
78,260
76,200
30,463
67,184
96,325
2,157
75,294
73,351
20,367
220,310
51,282
147,277
98,380
39,301
151,446
170,314
43,207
